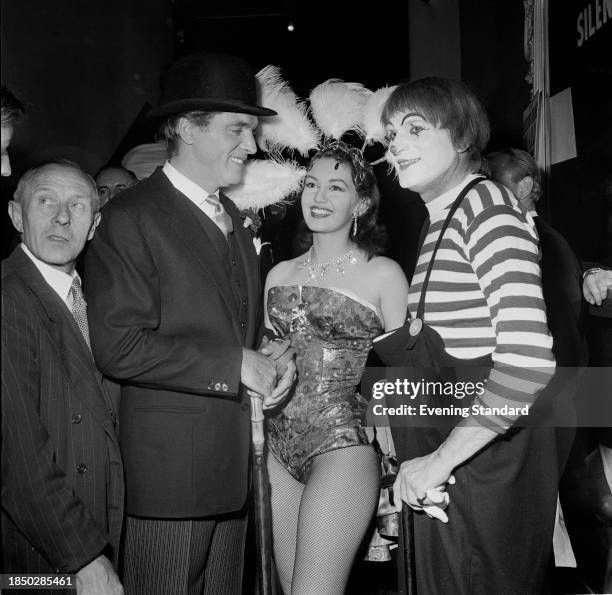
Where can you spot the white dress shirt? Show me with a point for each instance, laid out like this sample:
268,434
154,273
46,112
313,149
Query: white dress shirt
59,281
196,194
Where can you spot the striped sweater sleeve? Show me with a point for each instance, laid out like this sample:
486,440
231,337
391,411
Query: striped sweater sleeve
503,250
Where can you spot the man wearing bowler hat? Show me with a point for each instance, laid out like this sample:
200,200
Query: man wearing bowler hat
174,303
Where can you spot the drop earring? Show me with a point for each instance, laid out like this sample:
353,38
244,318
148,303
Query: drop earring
354,233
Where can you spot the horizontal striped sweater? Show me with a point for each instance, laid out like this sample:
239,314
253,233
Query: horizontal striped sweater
485,294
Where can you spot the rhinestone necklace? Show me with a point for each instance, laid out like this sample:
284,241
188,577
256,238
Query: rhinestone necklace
320,270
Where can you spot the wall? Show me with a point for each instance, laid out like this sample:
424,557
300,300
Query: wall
83,70
435,40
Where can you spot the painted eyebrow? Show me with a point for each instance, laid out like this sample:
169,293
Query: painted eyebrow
417,114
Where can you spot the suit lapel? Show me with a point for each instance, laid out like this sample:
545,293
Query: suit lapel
75,355
201,238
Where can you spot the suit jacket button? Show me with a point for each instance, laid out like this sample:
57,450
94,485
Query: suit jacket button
234,261
76,418
224,387
244,302
243,324
81,469
244,407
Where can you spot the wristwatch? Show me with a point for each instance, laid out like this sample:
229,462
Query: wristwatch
590,271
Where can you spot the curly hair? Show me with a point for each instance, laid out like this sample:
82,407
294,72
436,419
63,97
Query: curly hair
371,236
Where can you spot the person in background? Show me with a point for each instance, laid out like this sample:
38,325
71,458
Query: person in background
144,159
62,475
597,284
11,111
111,180
561,271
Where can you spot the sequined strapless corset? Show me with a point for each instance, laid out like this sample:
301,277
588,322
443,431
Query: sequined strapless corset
331,333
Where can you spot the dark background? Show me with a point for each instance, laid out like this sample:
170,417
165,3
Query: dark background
88,71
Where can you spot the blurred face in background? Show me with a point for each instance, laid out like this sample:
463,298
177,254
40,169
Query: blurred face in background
113,180
7,135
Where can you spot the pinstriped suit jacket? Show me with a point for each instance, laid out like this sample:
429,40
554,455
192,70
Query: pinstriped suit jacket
62,477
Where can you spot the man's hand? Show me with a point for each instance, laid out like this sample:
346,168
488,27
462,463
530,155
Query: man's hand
280,351
98,578
285,382
258,372
416,477
595,286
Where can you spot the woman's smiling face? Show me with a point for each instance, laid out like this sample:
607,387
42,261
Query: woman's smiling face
329,198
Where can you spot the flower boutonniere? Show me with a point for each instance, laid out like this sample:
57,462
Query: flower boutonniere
251,220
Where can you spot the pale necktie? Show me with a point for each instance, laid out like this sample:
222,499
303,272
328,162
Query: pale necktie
79,309
220,216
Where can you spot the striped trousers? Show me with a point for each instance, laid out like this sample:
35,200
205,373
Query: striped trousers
184,557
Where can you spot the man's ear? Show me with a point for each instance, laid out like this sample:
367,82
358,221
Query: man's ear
15,213
185,128
94,225
524,187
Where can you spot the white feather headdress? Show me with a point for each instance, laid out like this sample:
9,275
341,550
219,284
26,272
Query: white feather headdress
291,127
265,182
373,128
337,107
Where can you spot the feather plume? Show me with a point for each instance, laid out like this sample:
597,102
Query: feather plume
337,107
291,128
266,181
372,126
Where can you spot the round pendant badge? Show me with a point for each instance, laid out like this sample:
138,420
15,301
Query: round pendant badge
415,327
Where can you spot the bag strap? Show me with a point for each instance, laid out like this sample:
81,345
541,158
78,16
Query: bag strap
451,212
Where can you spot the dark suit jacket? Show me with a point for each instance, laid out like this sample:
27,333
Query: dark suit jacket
165,322
62,479
562,289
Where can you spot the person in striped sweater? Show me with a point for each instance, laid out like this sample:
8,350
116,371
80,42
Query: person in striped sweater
483,303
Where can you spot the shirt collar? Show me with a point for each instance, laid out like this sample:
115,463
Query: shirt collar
59,281
444,201
182,183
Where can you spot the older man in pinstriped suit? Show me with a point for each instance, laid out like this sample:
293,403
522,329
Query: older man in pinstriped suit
62,476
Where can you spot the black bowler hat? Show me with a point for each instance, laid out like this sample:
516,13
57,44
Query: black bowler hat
211,83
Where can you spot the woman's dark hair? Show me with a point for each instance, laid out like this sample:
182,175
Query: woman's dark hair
371,236
447,104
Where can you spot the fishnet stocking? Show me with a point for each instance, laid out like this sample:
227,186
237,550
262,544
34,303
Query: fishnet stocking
318,527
